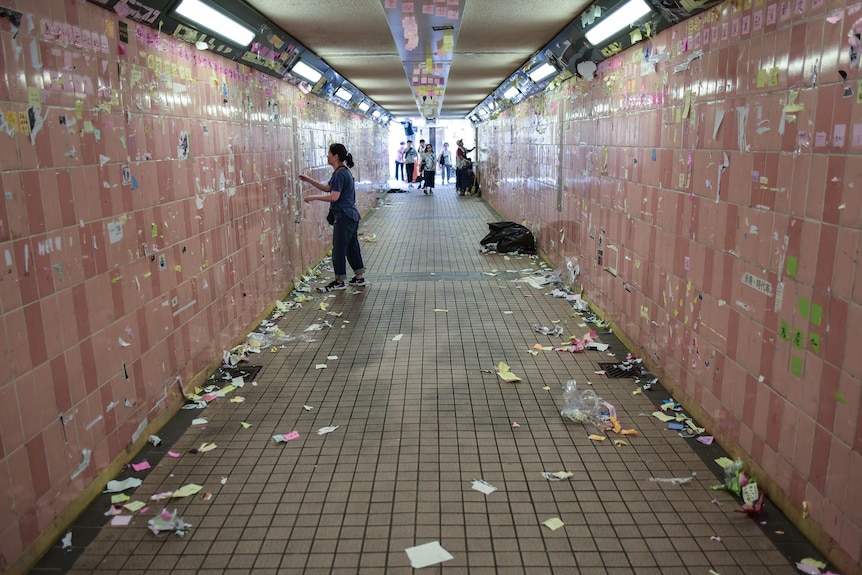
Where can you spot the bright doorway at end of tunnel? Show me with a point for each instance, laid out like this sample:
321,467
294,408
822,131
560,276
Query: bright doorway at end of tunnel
438,133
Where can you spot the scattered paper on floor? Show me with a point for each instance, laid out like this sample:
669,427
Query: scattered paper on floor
553,523
505,374
483,486
427,554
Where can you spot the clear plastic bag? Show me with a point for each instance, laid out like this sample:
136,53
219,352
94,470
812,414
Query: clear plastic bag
581,406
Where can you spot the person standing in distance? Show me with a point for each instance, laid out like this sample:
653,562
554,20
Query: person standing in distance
340,192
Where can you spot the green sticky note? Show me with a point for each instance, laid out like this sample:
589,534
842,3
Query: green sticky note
814,342
804,307
792,265
796,366
839,398
784,331
798,339
154,230
816,314
245,425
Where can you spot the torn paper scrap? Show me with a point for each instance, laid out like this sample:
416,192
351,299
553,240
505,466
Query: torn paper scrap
505,374
141,466
200,421
206,447
673,480
328,429
553,523
155,440
398,337
186,490
134,505
483,486
121,520
115,486
663,416
595,437
307,407
67,540
286,436
427,554
557,475
166,521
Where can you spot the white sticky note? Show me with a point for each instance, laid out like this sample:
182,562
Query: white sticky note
427,554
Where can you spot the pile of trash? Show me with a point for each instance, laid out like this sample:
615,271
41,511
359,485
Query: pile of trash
509,237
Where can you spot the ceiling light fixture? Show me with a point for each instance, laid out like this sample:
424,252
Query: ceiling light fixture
364,106
306,72
215,22
623,17
542,72
511,92
344,94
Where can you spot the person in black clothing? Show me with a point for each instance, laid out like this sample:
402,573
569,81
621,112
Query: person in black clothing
410,156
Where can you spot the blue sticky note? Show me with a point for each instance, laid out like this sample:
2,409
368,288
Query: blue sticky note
676,426
134,183
653,154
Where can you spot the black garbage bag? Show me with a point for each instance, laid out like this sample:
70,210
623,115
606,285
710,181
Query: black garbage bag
508,237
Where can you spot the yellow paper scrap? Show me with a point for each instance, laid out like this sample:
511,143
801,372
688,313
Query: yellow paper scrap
441,310
237,399
595,437
119,498
187,490
547,388
619,442
813,563
245,425
724,462
553,524
324,306
320,366
663,416
638,391
505,373
532,352
134,505
273,350
617,427
631,432
228,388
206,447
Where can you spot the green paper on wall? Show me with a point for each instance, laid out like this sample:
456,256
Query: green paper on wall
796,366
804,307
814,342
792,265
816,314
839,398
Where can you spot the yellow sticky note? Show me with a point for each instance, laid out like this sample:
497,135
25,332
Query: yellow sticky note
34,98
187,490
761,78
595,437
206,447
320,366
663,416
553,524
245,425
134,505
724,462
505,374
237,399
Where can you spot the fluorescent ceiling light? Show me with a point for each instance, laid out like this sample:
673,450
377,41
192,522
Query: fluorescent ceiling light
621,18
511,92
216,22
375,114
542,72
483,112
306,72
344,94
364,106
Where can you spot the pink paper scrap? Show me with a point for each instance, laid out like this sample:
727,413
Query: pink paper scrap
706,439
173,454
141,466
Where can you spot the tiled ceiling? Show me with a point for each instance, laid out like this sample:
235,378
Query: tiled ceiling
384,47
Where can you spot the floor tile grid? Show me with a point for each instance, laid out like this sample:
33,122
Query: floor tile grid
417,444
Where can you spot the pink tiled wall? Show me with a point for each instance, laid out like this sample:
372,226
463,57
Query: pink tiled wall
717,166
96,335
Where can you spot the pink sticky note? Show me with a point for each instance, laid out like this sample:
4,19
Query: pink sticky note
141,466
121,520
515,425
292,435
173,454
705,439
